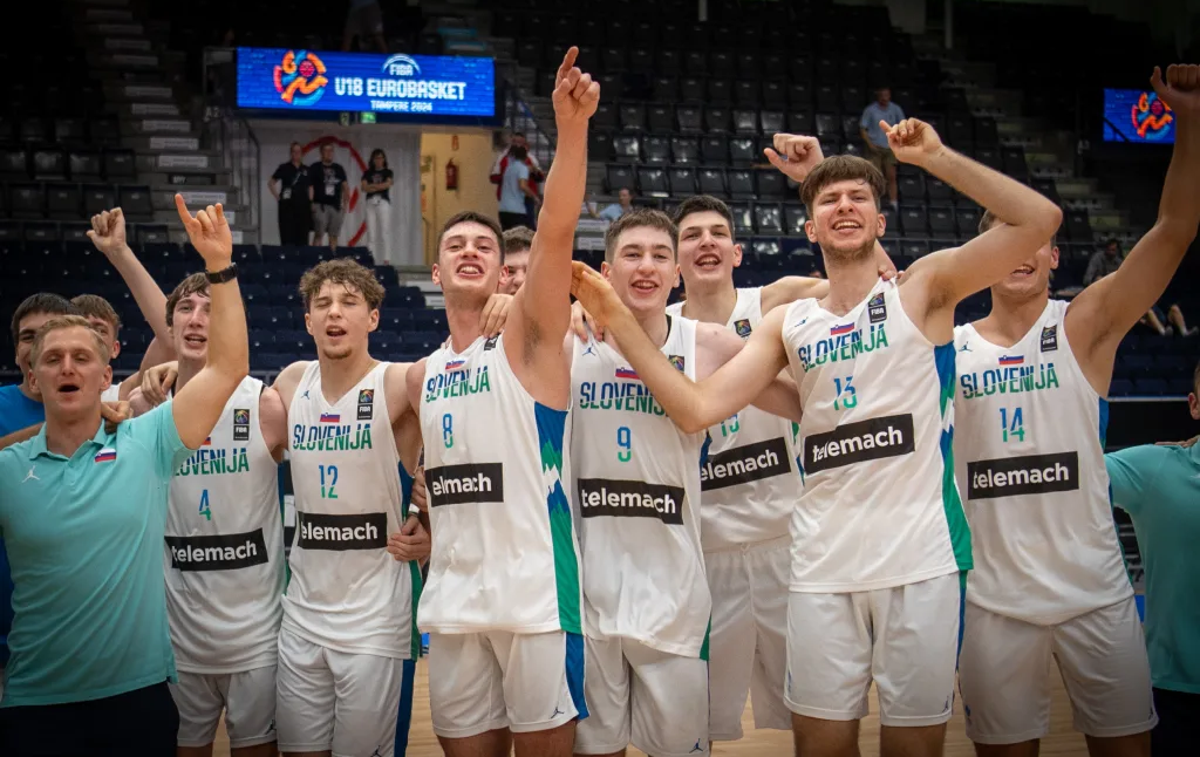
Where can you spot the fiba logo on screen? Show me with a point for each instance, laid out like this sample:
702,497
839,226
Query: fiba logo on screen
401,65
1152,117
300,78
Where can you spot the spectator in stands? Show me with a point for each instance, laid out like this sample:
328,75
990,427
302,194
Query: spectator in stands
514,189
364,20
330,194
1159,487
623,205
536,175
289,185
1103,263
377,184
518,241
878,152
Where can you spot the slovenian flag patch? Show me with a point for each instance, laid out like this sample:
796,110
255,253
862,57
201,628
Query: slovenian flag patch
627,373
330,418
106,455
843,329
1012,359
207,442
454,365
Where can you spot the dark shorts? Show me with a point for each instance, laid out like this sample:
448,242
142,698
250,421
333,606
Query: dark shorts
143,722
1175,734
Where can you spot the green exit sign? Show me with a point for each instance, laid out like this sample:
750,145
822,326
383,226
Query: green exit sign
367,118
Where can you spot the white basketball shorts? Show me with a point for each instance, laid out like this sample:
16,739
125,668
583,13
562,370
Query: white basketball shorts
480,682
348,703
904,638
1003,674
248,700
637,695
747,648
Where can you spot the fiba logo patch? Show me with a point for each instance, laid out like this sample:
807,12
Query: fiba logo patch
490,344
241,424
876,309
300,78
1050,338
677,361
366,404
742,327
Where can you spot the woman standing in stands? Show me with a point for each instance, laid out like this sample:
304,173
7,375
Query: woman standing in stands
377,183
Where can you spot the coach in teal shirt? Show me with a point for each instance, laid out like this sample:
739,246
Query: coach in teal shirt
1159,486
83,514
84,536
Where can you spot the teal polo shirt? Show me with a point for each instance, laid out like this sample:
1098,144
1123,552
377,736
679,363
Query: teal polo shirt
1160,489
85,545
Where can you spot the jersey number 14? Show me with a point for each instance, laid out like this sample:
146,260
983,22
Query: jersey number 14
1012,429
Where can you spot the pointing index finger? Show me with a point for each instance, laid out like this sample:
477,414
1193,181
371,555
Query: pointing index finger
568,60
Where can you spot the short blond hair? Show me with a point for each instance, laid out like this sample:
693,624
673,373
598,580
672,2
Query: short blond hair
344,271
67,322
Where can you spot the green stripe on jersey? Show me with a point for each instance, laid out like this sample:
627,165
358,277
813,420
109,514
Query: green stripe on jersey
414,569
551,426
956,518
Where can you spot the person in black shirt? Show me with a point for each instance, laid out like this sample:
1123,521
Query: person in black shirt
289,185
376,183
330,195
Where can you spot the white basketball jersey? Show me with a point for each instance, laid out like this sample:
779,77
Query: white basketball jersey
504,550
112,393
880,507
346,591
636,481
224,546
749,483
1029,452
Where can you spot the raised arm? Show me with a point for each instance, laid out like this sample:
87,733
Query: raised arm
692,406
717,345
543,309
950,276
199,405
108,234
1104,312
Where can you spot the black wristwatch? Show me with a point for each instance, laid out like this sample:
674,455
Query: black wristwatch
222,276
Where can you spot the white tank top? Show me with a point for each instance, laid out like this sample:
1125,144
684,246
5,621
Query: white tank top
1029,454
346,591
224,546
504,555
750,482
879,507
112,393
637,491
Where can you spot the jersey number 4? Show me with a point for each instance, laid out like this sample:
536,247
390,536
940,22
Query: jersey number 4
204,508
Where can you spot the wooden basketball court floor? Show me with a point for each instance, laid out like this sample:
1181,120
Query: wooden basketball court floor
1063,741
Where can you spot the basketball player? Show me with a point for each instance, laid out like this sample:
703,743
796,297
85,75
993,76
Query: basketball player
502,603
517,243
879,535
1049,574
637,480
745,507
348,640
224,552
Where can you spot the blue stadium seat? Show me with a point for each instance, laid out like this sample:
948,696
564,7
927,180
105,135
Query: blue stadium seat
1150,387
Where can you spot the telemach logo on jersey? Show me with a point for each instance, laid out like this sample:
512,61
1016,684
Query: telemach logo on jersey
637,499
342,533
469,482
741,465
221,552
366,404
241,424
1029,474
859,442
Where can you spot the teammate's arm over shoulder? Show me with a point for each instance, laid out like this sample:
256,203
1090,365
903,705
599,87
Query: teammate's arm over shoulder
272,420
716,346
288,379
414,378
